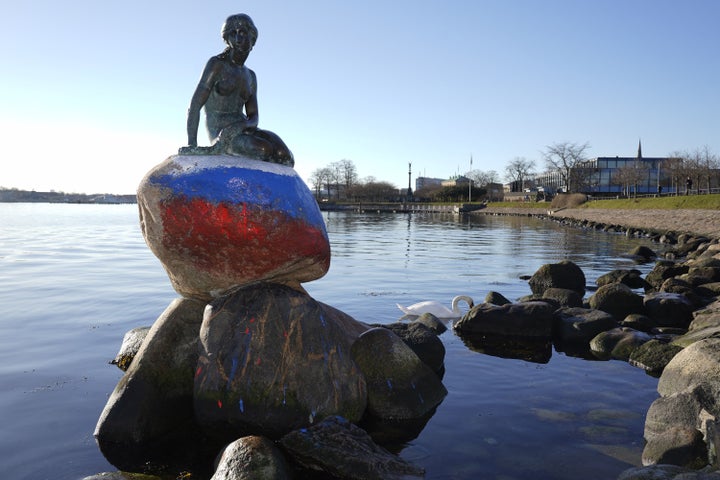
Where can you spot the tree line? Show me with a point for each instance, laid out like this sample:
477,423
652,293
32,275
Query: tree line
565,161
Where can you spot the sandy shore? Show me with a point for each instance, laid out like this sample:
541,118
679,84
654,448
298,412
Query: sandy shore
704,222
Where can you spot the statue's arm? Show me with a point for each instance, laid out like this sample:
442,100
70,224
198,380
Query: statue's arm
251,106
201,95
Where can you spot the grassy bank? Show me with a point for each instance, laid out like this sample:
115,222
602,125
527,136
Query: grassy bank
700,202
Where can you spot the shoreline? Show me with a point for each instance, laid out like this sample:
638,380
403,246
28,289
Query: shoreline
693,221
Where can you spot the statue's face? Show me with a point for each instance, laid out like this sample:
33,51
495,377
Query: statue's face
239,37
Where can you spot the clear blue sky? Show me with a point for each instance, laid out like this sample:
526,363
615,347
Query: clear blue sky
94,94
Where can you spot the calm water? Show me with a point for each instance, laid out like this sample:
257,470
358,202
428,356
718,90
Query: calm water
75,278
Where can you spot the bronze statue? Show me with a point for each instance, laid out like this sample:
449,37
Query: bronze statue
228,91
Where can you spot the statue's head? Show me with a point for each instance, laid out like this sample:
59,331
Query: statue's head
239,21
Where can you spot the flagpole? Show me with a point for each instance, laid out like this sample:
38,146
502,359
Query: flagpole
470,182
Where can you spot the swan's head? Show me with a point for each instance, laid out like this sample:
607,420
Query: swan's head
464,298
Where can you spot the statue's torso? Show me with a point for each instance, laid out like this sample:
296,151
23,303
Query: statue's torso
233,86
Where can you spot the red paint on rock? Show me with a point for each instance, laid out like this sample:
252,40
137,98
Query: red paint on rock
227,238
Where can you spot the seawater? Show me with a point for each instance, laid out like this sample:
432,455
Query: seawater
75,278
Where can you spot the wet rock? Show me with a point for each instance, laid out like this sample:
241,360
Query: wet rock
496,298
643,252
564,274
653,356
638,321
525,319
273,359
677,446
708,316
668,309
631,278
217,222
130,345
530,349
121,476
153,400
563,296
618,343
345,451
709,289
252,458
399,384
663,270
659,472
580,325
697,363
681,409
432,322
616,299
423,341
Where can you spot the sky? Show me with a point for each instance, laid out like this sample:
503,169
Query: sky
94,94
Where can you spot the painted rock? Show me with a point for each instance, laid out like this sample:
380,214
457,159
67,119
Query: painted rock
217,222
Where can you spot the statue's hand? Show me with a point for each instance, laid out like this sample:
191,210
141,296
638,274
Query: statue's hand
187,150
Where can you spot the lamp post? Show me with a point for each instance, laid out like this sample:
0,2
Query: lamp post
409,190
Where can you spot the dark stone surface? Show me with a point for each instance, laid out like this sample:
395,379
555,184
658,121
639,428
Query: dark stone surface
525,319
668,309
564,274
421,340
399,385
616,299
653,355
151,407
345,451
580,325
273,359
252,458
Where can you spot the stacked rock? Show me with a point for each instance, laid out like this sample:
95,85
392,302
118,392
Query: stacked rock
217,222
246,351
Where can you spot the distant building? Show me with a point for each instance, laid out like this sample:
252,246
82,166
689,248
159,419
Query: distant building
454,182
427,182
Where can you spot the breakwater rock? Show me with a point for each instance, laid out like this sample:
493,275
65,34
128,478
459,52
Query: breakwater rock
667,324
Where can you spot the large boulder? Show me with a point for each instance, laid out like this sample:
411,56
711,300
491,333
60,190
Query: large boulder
399,385
618,343
675,426
668,309
580,325
252,458
524,319
343,450
695,364
423,341
273,359
616,299
153,401
217,222
564,274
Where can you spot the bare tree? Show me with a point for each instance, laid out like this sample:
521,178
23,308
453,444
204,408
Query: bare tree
481,178
518,170
346,174
563,158
630,176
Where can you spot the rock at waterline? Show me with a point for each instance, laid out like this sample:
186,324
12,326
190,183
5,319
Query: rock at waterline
340,448
399,385
217,222
524,319
153,401
132,341
564,274
618,343
252,458
616,299
273,359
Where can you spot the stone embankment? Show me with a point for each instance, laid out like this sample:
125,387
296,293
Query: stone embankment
699,222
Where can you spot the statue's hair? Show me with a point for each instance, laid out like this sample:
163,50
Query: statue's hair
240,18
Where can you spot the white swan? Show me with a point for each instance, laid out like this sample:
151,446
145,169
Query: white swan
436,308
